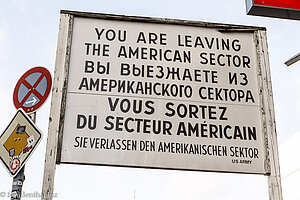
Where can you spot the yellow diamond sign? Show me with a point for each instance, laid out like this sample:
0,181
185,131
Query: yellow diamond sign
18,141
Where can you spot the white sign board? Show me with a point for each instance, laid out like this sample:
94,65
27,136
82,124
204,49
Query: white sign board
163,95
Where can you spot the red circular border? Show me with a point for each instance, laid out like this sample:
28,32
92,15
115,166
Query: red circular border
10,165
46,74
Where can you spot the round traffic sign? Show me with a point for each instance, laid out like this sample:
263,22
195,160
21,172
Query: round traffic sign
32,89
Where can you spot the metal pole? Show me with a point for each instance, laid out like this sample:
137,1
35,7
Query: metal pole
292,60
18,180
17,184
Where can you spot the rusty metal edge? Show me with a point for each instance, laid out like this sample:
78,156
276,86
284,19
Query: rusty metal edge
162,21
64,90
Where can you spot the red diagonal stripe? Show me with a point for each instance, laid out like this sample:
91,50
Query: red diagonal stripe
37,94
38,81
29,87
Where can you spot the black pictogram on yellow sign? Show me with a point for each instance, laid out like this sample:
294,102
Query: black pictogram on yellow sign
17,141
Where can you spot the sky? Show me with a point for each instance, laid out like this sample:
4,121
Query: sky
290,172
28,38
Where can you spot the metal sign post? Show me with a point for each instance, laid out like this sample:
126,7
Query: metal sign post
16,191
17,185
272,162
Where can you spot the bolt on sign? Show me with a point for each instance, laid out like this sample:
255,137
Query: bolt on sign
18,141
287,9
159,93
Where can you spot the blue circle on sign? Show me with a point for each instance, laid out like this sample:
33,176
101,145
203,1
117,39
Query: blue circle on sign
32,89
